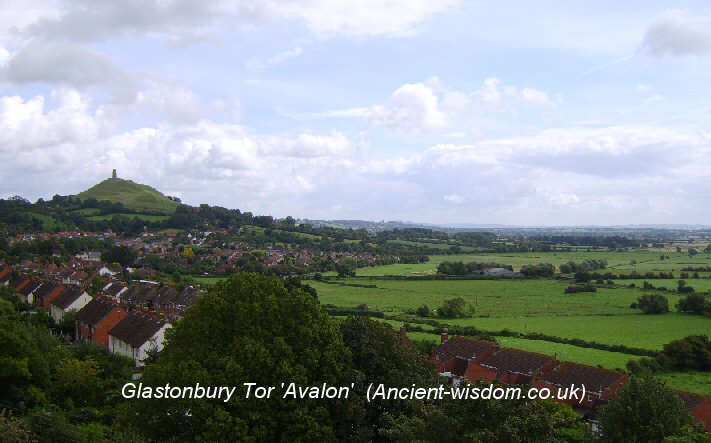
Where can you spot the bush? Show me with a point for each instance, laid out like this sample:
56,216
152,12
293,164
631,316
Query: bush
455,308
653,304
580,288
424,311
694,304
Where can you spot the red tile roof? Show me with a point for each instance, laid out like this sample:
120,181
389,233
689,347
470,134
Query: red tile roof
594,379
514,360
467,348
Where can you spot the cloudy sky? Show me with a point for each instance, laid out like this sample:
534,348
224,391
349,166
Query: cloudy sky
440,111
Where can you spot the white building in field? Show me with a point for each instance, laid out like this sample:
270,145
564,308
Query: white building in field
135,335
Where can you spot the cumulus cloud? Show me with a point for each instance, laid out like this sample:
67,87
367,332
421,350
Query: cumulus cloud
497,95
678,33
412,107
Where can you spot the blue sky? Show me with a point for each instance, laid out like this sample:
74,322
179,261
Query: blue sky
511,112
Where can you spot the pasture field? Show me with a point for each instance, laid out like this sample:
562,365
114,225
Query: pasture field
528,306
699,382
617,262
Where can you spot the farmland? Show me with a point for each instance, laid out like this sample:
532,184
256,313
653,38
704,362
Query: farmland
539,305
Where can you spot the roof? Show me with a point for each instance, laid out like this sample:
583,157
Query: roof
514,360
18,281
459,366
31,286
5,274
68,296
95,311
594,379
46,289
467,348
136,329
114,289
691,400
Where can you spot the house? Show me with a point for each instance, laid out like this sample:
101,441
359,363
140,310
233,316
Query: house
19,282
73,276
27,292
600,384
5,271
114,290
135,335
72,298
511,366
454,355
44,295
5,276
699,407
90,256
94,321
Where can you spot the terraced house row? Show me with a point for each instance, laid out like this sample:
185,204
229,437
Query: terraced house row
463,358
127,320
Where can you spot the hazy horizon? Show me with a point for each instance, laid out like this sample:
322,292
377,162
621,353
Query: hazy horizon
439,112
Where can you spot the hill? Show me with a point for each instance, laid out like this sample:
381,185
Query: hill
131,195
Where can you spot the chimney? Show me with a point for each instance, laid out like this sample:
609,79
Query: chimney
403,332
443,337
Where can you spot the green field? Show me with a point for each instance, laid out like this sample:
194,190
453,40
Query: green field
48,223
528,306
689,381
617,262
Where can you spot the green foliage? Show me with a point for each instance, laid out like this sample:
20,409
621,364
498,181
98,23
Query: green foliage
694,304
424,311
78,380
461,269
487,421
14,430
538,270
644,410
653,304
119,254
346,267
455,308
248,328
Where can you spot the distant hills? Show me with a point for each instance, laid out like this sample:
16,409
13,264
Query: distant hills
132,195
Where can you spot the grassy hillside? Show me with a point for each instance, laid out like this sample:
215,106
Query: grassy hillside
132,195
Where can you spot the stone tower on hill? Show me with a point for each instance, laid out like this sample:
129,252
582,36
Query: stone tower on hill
113,174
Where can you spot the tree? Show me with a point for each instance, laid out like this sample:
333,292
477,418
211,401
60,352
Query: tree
644,410
455,308
346,267
693,304
653,304
424,311
246,329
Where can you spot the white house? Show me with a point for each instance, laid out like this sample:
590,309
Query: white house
72,298
137,334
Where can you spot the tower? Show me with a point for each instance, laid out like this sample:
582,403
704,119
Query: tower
113,174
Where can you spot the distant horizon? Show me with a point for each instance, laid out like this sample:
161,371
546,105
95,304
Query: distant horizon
442,110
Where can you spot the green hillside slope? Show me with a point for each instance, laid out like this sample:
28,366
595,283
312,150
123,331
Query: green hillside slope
132,195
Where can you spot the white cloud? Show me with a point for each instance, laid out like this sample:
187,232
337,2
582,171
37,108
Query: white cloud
454,198
412,107
494,94
361,18
258,65
65,64
677,32
655,99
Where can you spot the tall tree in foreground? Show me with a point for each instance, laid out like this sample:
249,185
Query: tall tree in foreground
644,410
247,329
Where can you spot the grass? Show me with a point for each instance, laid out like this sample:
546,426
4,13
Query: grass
528,306
145,217
618,262
48,223
699,382
135,196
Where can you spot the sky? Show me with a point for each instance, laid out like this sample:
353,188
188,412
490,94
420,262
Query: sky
431,111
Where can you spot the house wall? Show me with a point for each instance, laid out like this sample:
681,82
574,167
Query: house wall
58,313
100,334
702,414
477,372
120,347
